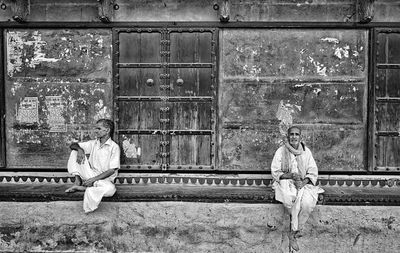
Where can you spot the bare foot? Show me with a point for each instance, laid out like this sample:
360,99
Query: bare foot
293,242
78,180
75,188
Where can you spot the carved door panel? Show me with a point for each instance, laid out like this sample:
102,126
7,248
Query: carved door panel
165,97
387,101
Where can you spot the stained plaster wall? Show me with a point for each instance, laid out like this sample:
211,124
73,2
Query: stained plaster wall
58,83
192,227
315,78
194,10
273,78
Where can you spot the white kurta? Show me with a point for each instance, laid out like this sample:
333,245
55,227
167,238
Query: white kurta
299,203
101,159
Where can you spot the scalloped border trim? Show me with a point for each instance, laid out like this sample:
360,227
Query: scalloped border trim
214,181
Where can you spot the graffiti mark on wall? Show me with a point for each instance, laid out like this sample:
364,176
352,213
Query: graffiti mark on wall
28,111
55,109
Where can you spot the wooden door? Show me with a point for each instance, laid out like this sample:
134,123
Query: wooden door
165,97
386,138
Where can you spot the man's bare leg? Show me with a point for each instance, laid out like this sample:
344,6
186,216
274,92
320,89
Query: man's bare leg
292,237
77,186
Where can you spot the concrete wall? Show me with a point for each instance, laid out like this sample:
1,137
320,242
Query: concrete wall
193,227
195,10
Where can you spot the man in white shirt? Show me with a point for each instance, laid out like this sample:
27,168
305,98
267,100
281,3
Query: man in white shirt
96,174
295,176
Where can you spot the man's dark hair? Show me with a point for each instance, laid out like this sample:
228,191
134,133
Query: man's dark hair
293,127
107,124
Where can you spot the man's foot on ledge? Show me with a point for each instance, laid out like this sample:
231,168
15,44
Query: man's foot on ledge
75,188
298,234
292,241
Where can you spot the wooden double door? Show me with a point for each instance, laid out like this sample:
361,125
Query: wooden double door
165,97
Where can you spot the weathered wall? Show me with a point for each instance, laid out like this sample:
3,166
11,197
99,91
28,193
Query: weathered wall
273,78
193,227
194,10
58,83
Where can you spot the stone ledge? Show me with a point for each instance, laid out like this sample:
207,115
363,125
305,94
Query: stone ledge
16,192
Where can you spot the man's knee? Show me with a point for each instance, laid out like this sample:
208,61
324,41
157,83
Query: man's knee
308,204
109,187
72,165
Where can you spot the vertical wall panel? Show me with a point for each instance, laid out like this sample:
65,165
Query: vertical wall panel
2,104
58,83
273,78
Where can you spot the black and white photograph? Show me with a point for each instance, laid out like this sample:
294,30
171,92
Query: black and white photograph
200,126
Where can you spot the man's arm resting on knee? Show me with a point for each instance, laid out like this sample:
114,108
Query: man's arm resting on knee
101,176
290,175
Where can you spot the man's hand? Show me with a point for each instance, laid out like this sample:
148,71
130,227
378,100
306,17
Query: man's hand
298,184
89,182
296,177
80,158
301,183
290,175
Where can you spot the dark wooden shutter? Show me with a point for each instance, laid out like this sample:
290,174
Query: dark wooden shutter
386,138
2,110
166,97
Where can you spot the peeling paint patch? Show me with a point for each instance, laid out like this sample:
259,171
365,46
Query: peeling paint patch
331,40
16,51
284,114
321,69
130,149
102,110
342,52
15,87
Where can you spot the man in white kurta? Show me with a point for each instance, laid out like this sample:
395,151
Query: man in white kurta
96,174
295,174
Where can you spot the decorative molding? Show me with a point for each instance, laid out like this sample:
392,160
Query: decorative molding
201,189
20,10
365,11
106,10
224,11
207,181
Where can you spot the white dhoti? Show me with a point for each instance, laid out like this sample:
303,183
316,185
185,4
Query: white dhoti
299,203
100,188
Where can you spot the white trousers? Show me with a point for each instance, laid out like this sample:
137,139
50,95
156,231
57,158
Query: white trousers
300,203
100,188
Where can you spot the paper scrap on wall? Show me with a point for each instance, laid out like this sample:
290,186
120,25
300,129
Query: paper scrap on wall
28,111
55,109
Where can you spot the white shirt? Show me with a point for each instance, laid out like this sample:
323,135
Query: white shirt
309,169
104,157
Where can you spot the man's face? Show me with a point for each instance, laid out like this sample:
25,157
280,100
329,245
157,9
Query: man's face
101,131
294,137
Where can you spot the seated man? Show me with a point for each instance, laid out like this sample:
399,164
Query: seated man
295,176
95,175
